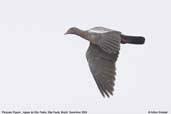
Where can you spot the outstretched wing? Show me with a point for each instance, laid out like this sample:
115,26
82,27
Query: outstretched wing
102,66
109,42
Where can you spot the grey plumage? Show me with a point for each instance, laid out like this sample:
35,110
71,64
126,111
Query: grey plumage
102,57
102,54
102,66
109,42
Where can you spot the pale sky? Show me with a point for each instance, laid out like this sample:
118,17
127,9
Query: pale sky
41,69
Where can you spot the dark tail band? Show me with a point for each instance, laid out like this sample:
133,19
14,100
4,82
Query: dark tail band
132,39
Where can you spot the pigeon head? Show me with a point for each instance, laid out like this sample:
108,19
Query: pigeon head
72,30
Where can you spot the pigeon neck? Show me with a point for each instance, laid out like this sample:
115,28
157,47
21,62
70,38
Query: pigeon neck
83,34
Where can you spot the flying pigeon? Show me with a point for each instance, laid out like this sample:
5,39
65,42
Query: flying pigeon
103,52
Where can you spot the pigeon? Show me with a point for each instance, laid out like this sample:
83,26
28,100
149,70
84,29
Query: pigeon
103,52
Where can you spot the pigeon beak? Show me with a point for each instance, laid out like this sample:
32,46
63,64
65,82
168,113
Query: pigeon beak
66,33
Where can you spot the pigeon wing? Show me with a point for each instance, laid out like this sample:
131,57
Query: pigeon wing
107,39
102,67
109,42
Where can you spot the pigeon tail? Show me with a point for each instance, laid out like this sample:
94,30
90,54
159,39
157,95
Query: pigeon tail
132,39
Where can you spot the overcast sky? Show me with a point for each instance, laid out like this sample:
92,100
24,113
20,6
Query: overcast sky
41,69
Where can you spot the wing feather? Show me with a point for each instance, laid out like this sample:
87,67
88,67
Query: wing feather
102,67
109,42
